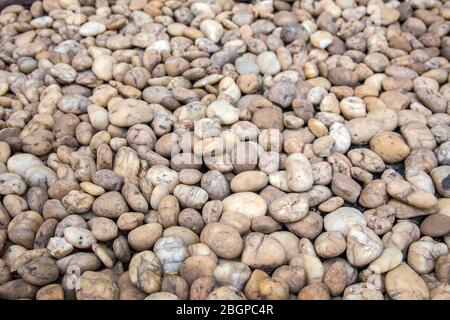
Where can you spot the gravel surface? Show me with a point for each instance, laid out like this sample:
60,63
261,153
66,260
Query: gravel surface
212,149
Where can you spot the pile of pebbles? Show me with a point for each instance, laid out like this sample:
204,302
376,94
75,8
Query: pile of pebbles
212,149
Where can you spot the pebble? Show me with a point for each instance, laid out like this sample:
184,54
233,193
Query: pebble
245,65
352,107
19,163
11,183
28,65
249,204
402,283
128,112
299,173
79,238
435,225
343,219
441,179
321,39
388,16
223,111
212,29
64,73
59,247
92,189
268,63
345,187
4,87
390,146
102,67
41,22
92,29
